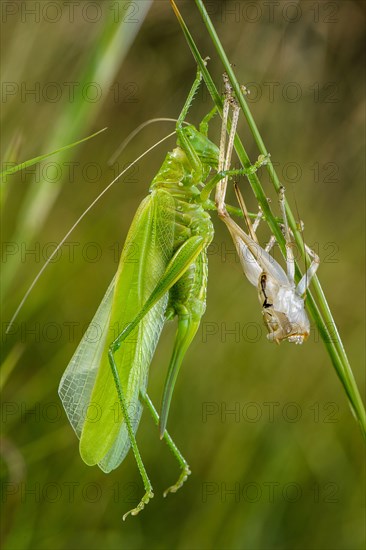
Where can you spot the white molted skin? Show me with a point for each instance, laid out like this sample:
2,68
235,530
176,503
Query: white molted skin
283,306
286,318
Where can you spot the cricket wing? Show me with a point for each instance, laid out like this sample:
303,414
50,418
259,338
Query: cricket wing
146,254
78,380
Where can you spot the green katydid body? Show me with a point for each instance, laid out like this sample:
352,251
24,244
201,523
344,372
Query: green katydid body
105,384
170,234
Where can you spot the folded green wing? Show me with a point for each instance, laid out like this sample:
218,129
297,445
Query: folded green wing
87,388
78,380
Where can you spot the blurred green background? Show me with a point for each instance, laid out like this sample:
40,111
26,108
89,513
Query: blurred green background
276,457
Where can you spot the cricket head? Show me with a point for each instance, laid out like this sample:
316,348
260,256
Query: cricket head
207,151
284,314
282,328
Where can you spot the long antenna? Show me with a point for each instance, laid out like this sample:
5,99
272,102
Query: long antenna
35,280
129,138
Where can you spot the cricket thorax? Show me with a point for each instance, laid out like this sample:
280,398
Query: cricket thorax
178,176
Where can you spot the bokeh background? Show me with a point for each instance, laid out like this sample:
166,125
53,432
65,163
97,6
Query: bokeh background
276,456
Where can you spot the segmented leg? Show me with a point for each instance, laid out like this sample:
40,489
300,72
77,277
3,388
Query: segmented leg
185,143
172,446
182,259
257,220
290,259
225,174
272,241
304,283
309,274
147,485
226,153
203,127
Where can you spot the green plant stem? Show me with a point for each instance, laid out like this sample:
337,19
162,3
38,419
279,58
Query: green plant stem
321,315
35,160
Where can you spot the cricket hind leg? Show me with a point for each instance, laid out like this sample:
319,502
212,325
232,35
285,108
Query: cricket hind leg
220,180
182,259
186,331
225,154
122,401
172,446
